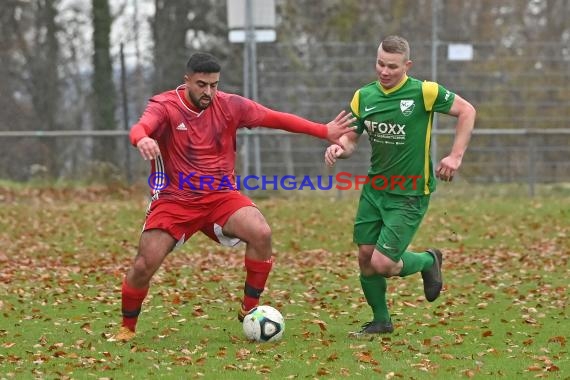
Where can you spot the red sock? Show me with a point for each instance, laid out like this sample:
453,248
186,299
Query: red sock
132,299
257,273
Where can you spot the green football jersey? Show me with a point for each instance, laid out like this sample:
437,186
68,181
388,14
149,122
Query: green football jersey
398,122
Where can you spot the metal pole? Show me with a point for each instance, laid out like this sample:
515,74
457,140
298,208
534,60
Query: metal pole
256,137
252,49
125,102
434,46
246,81
531,179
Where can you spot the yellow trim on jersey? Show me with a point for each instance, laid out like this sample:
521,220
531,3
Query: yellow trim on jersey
429,90
427,173
355,103
395,88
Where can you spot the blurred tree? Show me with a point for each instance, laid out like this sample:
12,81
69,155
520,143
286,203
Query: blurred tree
43,63
30,57
104,95
169,28
181,27
76,74
13,67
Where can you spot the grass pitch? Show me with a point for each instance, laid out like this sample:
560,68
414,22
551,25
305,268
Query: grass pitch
503,312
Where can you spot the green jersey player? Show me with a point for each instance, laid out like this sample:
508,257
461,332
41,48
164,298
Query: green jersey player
397,112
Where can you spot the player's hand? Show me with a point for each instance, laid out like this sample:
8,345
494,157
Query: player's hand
332,153
447,168
148,148
341,125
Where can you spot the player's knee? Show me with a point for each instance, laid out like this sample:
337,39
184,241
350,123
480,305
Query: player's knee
385,271
259,238
263,233
384,266
141,268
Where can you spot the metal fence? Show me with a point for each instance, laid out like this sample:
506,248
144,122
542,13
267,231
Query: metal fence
522,156
522,97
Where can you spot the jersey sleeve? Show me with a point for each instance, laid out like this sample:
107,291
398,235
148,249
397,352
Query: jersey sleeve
250,113
355,109
254,114
293,123
153,117
443,100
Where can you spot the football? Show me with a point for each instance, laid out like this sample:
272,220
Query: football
264,324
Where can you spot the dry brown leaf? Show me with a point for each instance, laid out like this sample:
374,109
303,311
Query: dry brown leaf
87,328
558,339
201,361
322,324
322,371
366,357
242,353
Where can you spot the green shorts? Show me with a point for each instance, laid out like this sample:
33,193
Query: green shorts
388,221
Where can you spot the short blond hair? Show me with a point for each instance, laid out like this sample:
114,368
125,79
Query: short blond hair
396,45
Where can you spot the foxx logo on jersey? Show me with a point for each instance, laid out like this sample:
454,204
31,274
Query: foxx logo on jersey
374,128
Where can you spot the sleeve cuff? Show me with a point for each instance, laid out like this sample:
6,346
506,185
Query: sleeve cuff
137,133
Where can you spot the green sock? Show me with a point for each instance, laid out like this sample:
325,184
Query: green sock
374,288
415,262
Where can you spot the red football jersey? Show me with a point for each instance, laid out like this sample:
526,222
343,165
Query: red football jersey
198,149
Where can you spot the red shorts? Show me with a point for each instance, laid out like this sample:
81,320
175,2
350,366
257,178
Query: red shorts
207,213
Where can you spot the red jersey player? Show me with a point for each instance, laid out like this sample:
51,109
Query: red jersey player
189,135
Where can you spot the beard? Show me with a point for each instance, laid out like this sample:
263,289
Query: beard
201,102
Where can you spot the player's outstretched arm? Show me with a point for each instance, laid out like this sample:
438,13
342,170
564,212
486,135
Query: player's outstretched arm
332,131
339,127
465,114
